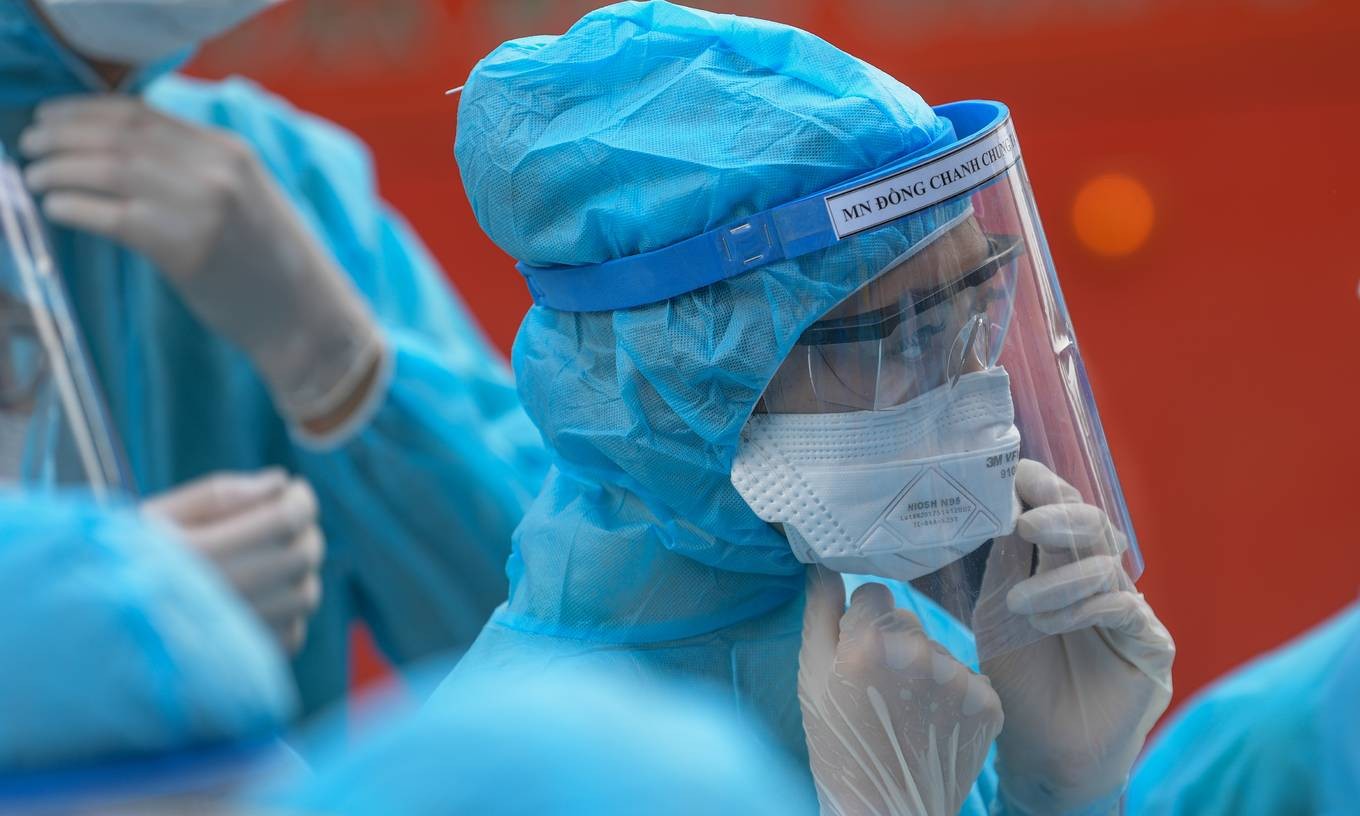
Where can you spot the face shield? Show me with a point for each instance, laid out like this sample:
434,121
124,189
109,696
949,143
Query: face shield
53,427
889,441
914,421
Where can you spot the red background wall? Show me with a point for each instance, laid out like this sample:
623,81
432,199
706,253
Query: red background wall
1222,349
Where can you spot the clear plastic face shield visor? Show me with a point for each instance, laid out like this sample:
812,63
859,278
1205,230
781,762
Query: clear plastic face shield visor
54,430
912,425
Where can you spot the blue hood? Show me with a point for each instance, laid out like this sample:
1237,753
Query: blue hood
645,124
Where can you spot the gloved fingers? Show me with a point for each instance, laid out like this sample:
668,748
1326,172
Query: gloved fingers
117,127
118,111
136,223
1067,532
1056,589
822,610
979,698
141,177
906,647
215,497
1127,624
1118,612
297,600
868,604
264,525
61,136
89,212
291,635
266,568
860,650
103,173
125,129
824,606
1037,486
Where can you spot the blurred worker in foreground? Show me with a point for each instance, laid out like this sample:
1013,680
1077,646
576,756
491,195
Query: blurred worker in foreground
136,682
131,670
786,313
282,357
559,741
1280,735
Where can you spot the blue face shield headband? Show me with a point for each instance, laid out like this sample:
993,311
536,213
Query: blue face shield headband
949,168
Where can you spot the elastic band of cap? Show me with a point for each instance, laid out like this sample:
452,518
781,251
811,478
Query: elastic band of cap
794,229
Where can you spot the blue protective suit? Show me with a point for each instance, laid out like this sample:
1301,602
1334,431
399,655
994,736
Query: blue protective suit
645,124
418,504
116,642
1279,736
556,742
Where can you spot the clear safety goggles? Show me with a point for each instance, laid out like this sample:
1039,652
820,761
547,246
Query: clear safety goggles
54,430
907,332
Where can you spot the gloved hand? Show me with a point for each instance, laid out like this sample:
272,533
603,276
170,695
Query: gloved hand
1079,703
895,725
200,206
260,531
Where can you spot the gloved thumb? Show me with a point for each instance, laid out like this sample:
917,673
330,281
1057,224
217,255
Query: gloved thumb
214,497
822,613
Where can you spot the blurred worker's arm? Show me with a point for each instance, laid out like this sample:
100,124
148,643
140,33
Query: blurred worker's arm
428,479
405,421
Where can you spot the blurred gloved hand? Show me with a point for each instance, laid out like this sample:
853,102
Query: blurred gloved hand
260,530
1078,704
200,206
895,725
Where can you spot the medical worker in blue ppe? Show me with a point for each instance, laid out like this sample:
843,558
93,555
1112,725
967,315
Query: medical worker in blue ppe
786,313
127,661
288,370
1279,735
562,741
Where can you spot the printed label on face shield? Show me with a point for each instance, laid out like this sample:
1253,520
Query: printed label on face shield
876,203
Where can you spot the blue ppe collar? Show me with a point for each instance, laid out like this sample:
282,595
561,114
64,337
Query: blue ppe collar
984,147
159,775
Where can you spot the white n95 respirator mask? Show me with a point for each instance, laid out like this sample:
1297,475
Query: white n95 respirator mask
897,493
140,32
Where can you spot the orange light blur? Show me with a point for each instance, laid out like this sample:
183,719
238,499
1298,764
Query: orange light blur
1113,215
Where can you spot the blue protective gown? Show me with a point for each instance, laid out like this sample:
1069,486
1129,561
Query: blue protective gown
418,505
1279,736
117,643
643,125
564,741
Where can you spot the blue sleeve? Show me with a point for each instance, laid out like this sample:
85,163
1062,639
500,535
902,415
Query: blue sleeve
1250,744
424,498
1217,758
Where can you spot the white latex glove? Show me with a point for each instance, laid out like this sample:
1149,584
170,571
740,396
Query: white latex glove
895,725
1079,703
260,531
200,206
